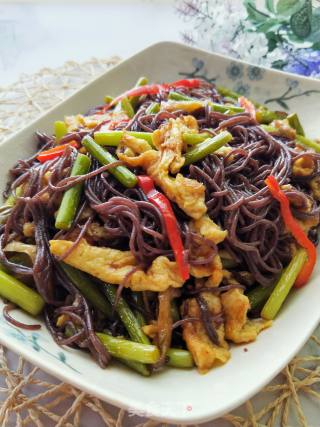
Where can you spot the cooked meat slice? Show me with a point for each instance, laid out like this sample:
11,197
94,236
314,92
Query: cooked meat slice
205,353
159,164
210,231
238,327
114,266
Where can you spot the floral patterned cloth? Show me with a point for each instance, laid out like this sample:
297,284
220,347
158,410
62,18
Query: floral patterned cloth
283,34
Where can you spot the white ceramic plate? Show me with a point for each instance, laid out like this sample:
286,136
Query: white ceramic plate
175,395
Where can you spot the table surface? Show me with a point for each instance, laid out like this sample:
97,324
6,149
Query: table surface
46,34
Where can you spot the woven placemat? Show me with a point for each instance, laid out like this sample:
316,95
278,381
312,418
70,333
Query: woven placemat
29,397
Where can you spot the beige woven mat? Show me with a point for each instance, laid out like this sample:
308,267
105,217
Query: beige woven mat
29,397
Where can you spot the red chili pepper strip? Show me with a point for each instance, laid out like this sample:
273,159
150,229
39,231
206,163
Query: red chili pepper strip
54,152
295,229
187,83
163,204
154,89
248,106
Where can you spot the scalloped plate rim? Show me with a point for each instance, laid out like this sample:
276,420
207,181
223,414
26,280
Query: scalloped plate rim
113,396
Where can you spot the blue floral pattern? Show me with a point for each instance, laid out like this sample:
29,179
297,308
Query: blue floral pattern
35,341
283,34
305,62
293,84
255,73
242,88
238,72
199,71
234,71
290,93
